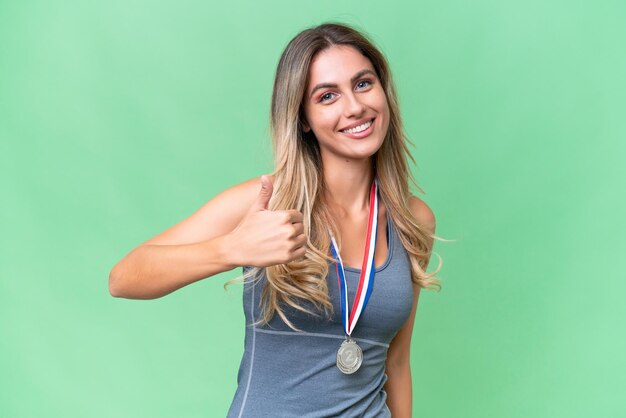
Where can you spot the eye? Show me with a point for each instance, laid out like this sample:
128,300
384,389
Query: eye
364,83
326,97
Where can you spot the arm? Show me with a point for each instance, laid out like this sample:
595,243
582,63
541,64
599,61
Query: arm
223,234
398,366
151,271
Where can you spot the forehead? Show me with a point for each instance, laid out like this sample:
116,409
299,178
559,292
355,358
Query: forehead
337,64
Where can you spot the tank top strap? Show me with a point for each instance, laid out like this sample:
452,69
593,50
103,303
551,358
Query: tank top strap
392,237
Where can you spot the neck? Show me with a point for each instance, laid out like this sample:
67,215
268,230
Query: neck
348,185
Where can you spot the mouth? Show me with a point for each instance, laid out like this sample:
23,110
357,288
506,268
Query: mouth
360,131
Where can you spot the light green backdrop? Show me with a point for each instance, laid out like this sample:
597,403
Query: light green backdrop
120,118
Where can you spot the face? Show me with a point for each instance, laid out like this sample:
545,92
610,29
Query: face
345,105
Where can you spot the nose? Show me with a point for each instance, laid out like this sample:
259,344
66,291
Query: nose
353,106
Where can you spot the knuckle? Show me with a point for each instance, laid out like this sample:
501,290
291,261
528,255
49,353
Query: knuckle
287,231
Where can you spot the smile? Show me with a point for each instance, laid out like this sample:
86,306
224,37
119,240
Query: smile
359,128
361,131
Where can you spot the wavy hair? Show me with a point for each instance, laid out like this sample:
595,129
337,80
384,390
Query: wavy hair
299,181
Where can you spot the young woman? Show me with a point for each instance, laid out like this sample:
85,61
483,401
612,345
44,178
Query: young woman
333,246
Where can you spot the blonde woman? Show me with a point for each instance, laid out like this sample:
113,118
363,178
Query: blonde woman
333,246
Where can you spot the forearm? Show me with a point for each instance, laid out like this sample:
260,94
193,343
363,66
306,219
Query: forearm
152,271
399,391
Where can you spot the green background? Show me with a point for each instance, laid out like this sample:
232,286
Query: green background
119,119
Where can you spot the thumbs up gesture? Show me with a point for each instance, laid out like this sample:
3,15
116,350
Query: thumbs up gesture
263,237
265,194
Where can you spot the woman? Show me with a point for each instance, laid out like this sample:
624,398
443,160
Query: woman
323,337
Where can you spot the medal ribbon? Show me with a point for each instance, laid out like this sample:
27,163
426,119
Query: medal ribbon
366,279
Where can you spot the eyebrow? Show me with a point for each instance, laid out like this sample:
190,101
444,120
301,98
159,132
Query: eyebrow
352,80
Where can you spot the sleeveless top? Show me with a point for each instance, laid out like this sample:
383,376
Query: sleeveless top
285,373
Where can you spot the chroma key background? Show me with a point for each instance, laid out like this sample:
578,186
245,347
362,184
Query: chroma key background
120,118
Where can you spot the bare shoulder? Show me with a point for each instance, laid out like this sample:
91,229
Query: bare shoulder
241,194
422,213
239,197
218,216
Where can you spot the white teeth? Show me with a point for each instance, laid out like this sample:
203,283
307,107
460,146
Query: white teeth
359,128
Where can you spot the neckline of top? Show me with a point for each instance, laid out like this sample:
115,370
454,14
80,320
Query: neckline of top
390,246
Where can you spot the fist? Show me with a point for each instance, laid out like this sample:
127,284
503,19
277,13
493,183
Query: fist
263,237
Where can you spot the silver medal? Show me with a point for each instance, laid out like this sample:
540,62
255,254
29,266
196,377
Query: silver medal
349,356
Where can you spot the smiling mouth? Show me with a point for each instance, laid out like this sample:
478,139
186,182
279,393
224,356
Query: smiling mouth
359,128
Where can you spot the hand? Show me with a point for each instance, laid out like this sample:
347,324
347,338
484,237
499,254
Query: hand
263,237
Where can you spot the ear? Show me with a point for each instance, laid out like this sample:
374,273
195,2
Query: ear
305,126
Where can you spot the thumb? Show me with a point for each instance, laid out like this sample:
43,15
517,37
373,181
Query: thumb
263,199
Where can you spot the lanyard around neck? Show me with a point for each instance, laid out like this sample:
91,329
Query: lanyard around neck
366,279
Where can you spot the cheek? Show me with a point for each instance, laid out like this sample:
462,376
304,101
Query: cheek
379,102
325,119
384,112
383,109
383,103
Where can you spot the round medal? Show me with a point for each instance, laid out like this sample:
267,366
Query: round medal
349,356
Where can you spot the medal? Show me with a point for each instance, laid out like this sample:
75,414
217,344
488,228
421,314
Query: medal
350,355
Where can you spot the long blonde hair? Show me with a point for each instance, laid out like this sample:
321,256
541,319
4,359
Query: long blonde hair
299,181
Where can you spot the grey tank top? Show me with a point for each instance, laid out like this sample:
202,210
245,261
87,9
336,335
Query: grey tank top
284,373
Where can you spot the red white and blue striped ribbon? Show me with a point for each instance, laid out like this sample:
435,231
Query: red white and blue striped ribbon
366,279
